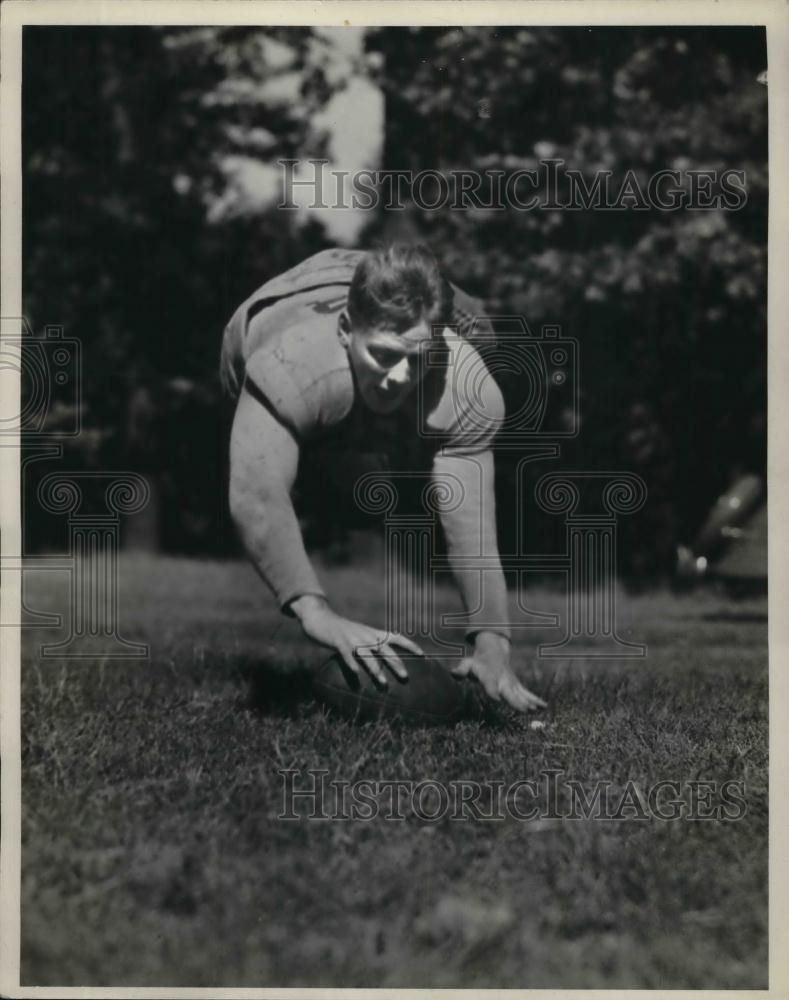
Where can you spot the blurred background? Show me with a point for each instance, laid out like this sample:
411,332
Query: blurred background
150,212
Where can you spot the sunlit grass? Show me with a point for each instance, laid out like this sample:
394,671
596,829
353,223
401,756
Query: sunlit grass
153,855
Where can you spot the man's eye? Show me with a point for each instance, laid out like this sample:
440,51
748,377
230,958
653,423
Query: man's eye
387,359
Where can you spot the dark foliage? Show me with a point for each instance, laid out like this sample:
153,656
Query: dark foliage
133,240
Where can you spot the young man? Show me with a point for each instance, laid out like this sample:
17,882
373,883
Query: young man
335,349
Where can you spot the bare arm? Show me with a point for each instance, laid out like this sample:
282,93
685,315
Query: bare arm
264,459
470,529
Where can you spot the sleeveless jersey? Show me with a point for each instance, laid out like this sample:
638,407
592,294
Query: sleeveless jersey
283,341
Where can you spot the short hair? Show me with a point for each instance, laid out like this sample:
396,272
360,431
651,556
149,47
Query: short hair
398,286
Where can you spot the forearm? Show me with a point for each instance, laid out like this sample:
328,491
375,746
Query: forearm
263,463
272,538
485,600
470,531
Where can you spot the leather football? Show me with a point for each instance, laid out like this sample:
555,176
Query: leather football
431,695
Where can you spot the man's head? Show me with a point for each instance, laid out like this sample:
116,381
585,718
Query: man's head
398,303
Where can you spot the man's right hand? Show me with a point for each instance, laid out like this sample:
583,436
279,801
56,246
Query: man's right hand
372,645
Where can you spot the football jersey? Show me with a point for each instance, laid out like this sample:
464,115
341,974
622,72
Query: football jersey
284,341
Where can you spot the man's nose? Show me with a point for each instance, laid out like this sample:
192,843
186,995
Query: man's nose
399,374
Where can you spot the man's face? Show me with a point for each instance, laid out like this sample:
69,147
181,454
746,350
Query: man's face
388,365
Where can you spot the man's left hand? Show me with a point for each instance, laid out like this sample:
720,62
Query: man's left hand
489,663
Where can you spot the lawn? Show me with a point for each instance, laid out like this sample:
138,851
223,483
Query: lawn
153,854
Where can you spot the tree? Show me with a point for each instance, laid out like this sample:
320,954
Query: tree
669,307
136,238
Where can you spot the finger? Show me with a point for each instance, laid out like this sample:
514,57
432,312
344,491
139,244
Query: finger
470,668
521,699
349,660
370,663
534,699
463,669
403,640
490,686
515,697
394,662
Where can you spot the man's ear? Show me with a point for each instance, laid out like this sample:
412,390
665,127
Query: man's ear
344,328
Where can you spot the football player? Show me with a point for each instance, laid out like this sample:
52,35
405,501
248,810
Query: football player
334,350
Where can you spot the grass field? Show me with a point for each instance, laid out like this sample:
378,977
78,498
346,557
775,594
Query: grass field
153,855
